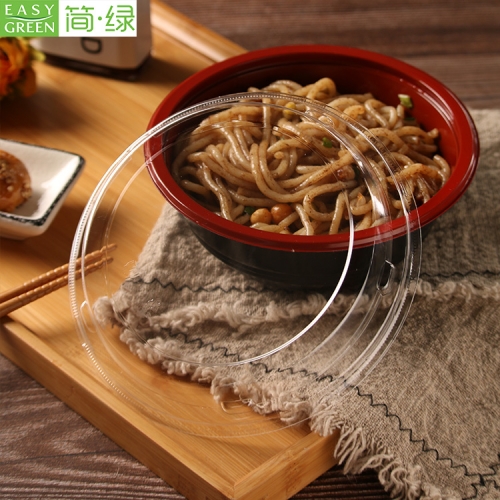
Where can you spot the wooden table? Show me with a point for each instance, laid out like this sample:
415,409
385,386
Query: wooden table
49,451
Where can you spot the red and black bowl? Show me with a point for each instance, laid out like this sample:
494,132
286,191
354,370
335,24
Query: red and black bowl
323,260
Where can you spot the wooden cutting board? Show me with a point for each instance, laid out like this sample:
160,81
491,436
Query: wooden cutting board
97,118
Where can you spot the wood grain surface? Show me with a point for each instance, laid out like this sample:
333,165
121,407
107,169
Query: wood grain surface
456,41
49,451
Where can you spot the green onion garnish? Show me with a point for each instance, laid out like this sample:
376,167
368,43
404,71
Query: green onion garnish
405,100
249,210
327,142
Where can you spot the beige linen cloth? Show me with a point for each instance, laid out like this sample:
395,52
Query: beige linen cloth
427,418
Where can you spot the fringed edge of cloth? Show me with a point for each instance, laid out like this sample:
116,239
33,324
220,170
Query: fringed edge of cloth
357,452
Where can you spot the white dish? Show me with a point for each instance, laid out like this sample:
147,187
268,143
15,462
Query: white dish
53,173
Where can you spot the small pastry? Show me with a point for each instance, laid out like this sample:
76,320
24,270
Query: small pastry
15,182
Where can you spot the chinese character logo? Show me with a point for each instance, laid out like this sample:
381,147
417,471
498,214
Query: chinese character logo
121,20
100,17
79,18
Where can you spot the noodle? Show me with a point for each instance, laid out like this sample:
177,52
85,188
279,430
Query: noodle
249,162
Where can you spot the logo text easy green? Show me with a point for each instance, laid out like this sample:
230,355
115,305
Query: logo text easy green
29,19
78,18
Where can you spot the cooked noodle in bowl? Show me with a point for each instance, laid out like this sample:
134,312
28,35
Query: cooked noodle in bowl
293,164
254,165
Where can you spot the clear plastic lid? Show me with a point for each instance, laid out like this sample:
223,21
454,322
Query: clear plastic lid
220,329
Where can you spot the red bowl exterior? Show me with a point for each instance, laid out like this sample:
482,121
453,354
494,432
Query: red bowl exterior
354,71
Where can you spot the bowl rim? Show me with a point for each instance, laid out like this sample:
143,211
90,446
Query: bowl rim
450,105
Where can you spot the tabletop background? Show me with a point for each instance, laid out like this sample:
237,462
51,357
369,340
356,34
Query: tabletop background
457,42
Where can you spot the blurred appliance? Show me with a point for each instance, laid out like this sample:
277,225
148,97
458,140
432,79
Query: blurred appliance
117,57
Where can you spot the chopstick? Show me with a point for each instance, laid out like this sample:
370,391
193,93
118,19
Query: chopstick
50,281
